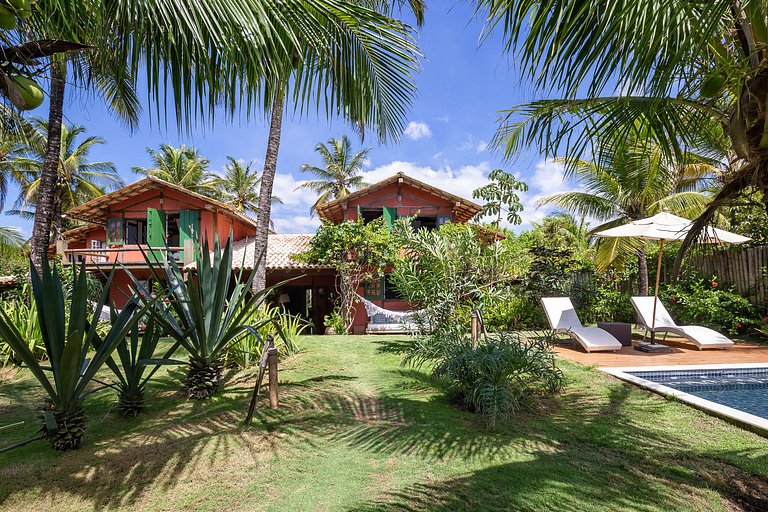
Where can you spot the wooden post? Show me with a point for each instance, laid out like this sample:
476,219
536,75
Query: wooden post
272,364
475,329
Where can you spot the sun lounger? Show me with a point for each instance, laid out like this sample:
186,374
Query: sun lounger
563,318
702,337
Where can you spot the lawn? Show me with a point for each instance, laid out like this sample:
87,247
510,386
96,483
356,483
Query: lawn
356,431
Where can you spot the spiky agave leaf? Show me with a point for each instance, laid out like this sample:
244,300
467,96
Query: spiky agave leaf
68,335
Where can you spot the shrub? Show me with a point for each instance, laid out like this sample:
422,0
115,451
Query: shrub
500,377
703,301
609,304
26,321
336,322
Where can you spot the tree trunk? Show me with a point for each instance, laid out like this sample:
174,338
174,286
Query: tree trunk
265,194
642,273
46,195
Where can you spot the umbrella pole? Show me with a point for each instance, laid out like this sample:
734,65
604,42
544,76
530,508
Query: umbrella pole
656,291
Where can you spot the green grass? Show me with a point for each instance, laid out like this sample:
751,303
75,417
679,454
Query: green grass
356,431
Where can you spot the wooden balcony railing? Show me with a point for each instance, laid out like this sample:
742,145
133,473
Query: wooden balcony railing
125,255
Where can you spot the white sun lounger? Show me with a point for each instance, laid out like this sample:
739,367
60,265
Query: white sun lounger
702,337
563,318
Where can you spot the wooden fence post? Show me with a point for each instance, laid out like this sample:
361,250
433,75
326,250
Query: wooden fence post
475,329
272,365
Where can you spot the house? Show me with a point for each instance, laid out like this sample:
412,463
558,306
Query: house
147,215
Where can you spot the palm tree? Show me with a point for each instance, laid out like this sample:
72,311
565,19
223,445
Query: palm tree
360,96
183,166
687,70
240,185
10,239
629,180
341,56
78,179
339,174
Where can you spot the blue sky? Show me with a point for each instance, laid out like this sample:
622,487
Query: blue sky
462,86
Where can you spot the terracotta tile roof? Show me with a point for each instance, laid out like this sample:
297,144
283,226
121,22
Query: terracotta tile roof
280,247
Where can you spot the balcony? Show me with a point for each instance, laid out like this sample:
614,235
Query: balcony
132,255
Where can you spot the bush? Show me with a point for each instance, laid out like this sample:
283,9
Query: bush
511,311
703,302
500,377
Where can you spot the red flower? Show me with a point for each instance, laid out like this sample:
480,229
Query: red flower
714,284
673,299
738,325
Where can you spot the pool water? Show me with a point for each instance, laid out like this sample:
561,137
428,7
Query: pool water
744,389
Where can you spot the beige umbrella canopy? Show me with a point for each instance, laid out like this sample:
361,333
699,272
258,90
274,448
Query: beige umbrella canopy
665,226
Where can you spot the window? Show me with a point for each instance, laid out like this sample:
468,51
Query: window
370,214
135,231
98,244
390,290
428,223
372,289
172,224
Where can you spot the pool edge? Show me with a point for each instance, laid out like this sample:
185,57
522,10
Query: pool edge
743,419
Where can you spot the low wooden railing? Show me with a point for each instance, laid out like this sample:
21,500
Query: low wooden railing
120,254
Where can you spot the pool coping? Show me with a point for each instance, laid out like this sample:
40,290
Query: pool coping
744,419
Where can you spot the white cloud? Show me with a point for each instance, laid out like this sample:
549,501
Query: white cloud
417,130
547,179
461,181
295,223
443,119
481,146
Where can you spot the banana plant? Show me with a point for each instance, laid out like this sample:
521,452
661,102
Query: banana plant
68,334
210,306
136,355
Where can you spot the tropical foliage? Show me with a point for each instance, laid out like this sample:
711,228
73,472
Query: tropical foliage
359,252
26,321
340,173
692,74
138,363
500,196
630,179
67,335
183,166
78,178
209,308
504,374
239,186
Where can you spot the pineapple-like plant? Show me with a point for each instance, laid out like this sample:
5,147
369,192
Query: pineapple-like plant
212,307
137,365
69,330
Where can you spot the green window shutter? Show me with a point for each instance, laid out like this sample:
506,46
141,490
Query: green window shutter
359,213
155,232
189,227
374,289
390,215
115,231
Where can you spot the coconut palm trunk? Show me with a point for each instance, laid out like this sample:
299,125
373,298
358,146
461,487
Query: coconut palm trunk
46,207
642,272
265,194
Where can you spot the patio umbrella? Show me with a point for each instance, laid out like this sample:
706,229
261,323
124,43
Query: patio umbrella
662,227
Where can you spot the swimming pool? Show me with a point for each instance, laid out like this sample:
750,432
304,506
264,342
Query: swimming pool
735,392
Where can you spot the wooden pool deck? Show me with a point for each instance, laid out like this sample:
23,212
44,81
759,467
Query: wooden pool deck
682,353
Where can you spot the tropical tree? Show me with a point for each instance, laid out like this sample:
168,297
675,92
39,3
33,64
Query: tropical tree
10,238
78,179
344,57
370,88
340,173
240,186
500,196
629,180
183,166
686,70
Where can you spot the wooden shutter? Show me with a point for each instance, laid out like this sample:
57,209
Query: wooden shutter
390,215
189,228
115,231
156,232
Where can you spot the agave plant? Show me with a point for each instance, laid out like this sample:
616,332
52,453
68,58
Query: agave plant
136,354
68,334
210,309
26,321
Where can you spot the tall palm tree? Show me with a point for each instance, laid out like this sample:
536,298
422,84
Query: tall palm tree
240,185
78,179
10,239
629,180
183,166
340,173
360,95
685,69
342,57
